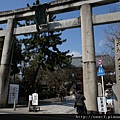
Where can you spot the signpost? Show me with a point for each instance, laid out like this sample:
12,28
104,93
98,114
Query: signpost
102,104
33,102
34,99
101,100
13,93
101,72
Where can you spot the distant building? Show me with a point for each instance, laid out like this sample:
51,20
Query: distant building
108,64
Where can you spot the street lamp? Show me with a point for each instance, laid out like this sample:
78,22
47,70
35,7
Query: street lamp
20,72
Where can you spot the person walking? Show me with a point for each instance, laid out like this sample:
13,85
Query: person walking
79,104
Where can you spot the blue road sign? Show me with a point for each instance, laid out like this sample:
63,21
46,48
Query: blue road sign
101,71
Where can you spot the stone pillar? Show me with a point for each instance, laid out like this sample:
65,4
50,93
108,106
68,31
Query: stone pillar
88,58
6,62
116,87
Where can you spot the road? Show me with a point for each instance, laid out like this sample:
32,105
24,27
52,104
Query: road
48,106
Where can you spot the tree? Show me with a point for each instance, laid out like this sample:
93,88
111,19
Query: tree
17,58
41,51
111,33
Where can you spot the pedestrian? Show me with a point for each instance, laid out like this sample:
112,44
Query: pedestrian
63,95
79,104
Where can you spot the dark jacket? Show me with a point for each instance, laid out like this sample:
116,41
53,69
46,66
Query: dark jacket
80,99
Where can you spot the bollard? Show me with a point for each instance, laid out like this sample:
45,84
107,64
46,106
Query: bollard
14,105
29,106
29,103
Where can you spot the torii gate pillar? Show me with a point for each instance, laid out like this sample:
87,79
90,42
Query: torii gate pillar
6,62
88,58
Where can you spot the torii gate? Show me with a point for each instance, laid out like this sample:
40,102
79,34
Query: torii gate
85,21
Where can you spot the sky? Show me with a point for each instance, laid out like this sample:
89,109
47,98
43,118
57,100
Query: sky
73,35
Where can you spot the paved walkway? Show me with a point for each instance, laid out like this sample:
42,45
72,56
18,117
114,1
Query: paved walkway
47,106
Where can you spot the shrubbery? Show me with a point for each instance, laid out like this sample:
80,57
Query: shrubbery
47,94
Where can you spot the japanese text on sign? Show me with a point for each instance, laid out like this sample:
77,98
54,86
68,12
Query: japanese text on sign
13,93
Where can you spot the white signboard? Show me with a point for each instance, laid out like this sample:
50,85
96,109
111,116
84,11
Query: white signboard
30,97
34,99
102,104
13,93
